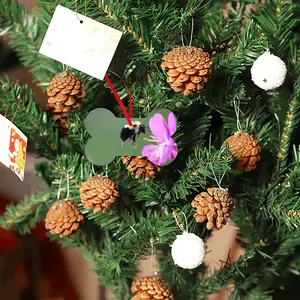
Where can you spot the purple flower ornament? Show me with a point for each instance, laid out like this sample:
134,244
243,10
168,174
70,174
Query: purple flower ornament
165,148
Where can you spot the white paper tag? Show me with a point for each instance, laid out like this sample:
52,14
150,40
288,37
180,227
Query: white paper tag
88,46
13,147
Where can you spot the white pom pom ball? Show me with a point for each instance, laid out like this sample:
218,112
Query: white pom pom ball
268,71
188,251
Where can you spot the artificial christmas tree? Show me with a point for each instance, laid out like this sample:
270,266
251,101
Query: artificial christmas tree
154,47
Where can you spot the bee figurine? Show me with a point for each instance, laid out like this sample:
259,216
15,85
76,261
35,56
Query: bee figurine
131,132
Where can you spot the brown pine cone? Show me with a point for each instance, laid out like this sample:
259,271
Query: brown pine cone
245,150
63,218
188,69
151,289
99,193
139,166
65,93
215,206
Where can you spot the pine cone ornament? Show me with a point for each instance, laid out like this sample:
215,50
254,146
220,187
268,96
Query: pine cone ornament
188,69
99,193
65,93
63,218
139,166
151,289
245,150
215,206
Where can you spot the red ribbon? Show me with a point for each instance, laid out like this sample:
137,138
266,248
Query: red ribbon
127,115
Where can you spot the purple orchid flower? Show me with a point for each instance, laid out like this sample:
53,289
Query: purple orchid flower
166,148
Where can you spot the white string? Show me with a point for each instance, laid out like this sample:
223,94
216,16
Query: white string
179,225
65,68
68,186
152,256
181,30
237,113
192,32
59,188
93,170
106,170
222,177
186,222
217,181
154,269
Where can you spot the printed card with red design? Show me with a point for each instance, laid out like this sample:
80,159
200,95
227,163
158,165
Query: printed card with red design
13,147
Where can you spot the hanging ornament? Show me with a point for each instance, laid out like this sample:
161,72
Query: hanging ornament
63,218
215,206
188,250
65,93
188,69
245,150
150,288
140,166
99,193
268,71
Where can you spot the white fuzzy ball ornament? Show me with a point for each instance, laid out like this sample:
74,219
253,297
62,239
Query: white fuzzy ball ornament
188,251
268,71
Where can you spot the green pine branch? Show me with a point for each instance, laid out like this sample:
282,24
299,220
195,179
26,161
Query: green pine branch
291,122
25,33
18,101
204,166
117,254
216,30
247,281
23,216
108,265
242,53
277,21
283,198
221,278
266,212
129,20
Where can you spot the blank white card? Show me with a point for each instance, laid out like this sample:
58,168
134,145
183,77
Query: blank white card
87,46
